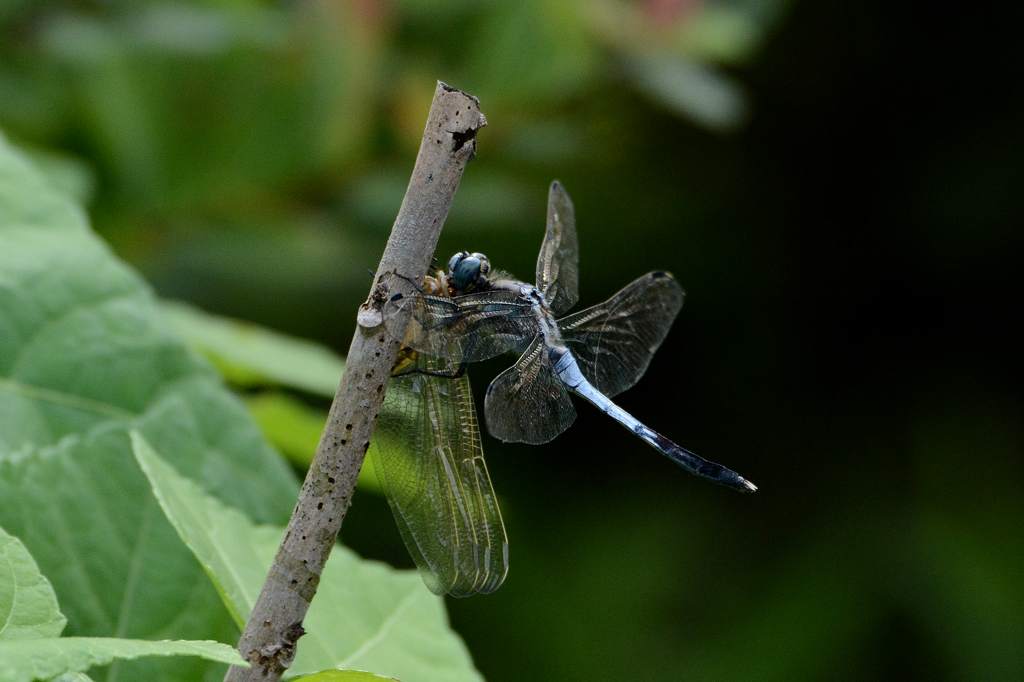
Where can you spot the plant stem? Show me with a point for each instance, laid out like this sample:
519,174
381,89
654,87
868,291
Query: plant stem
275,625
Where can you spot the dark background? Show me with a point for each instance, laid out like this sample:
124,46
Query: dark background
846,225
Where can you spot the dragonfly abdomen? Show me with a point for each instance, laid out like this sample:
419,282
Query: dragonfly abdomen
696,464
567,369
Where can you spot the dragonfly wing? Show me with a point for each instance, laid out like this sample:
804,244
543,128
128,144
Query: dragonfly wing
431,465
558,270
614,341
467,328
527,403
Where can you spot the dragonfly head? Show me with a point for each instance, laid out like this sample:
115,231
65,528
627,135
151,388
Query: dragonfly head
467,271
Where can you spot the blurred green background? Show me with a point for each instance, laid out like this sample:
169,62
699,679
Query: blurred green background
836,185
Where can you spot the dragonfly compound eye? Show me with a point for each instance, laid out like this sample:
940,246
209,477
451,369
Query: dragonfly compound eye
485,263
466,273
453,262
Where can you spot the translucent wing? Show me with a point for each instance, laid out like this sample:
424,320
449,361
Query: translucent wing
558,270
431,466
614,341
527,403
466,328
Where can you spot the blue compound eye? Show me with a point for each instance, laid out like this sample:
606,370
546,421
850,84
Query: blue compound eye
466,273
454,260
485,263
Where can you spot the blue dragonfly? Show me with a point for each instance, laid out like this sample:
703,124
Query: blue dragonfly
445,505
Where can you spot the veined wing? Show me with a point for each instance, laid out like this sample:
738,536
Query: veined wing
431,466
527,403
558,270
466,328
614,341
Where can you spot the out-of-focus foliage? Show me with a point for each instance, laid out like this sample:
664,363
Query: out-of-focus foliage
833,184
209,120
367,616
248,355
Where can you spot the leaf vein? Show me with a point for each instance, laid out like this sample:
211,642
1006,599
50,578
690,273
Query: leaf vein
385,628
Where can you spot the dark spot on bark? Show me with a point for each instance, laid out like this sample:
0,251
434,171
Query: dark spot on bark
330,479
295,582
461,139
319,505
348,427
343,441
295,630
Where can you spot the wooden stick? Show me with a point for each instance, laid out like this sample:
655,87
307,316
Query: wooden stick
275,625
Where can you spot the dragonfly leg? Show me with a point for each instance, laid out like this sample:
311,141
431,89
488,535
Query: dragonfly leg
409,280
442,373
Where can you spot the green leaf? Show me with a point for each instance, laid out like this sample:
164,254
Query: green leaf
68,174
290,424
249,355
28,605
34,659
30,643
365,615
343,676
85,357
294,428
215,534
72,677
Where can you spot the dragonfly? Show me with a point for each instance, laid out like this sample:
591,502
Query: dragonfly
595,353
430,462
